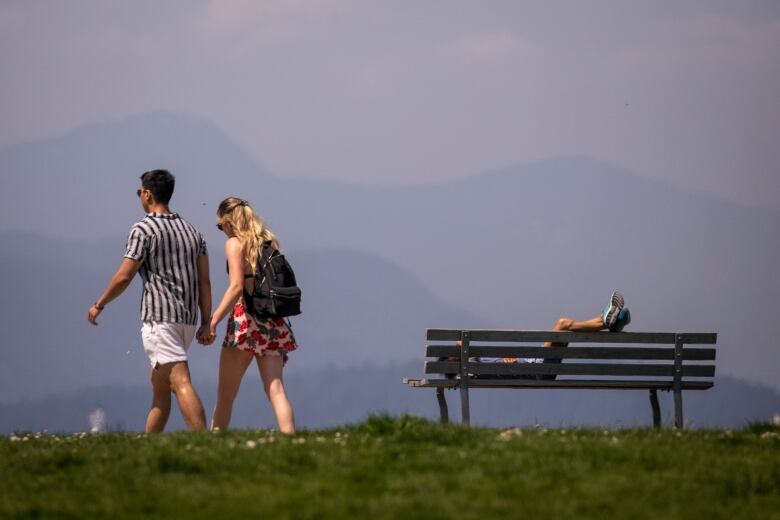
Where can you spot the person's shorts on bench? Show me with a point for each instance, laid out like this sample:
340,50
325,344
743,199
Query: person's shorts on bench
537,377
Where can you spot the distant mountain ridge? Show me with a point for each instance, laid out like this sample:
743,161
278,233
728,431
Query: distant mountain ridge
336,396
70,180
49,348
516,248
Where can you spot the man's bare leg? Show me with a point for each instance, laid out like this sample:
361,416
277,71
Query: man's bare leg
565,324
178,374
161,404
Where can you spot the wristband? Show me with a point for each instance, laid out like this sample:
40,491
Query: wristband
99,307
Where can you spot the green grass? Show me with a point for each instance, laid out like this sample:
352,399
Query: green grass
391,467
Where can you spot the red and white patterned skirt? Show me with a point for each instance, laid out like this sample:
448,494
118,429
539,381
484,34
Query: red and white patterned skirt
271,337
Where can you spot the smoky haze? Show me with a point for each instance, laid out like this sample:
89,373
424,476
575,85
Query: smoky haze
513,248
405,92
492,164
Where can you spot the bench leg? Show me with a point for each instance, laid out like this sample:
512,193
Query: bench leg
678,414
443,414
464,405
465,340
656,408
677,385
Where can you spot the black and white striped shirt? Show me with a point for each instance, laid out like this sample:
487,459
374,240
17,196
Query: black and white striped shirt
168,248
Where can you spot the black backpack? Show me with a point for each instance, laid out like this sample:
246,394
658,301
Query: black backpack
274,294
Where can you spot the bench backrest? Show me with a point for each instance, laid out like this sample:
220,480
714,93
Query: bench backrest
682,358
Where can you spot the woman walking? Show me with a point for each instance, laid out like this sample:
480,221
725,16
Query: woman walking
267,341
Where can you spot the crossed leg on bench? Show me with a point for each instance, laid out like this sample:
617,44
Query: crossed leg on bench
565,324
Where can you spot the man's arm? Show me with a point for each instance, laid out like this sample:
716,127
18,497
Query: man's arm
119,282
204,298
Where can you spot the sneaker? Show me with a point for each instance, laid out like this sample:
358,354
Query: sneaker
611,311
623,319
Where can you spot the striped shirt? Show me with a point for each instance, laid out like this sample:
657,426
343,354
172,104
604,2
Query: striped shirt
168,248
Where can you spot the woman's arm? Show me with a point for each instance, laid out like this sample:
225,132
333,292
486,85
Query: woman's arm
235,259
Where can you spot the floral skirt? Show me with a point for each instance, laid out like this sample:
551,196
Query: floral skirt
271,337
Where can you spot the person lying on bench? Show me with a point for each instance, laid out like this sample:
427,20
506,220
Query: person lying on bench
613,318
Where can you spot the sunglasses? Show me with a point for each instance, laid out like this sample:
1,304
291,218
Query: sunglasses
139,190
219,226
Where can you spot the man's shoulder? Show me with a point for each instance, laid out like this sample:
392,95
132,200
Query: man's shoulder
189,225
144,226
185,221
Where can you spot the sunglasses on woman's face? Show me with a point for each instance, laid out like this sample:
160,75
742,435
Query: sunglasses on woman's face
219,226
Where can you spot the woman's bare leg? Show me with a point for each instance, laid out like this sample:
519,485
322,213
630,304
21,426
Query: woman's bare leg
592,325
271,368
232,366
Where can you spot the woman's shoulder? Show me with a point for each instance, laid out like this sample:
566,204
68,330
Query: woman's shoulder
233,244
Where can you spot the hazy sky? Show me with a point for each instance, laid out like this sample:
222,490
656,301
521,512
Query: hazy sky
395,92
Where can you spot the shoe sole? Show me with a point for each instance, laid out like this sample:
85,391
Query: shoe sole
616,303
616,328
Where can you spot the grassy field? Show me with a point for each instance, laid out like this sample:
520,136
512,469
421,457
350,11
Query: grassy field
400,467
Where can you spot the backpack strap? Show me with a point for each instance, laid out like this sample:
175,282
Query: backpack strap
289,327
265,260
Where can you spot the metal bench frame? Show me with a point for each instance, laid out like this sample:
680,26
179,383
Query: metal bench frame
671,376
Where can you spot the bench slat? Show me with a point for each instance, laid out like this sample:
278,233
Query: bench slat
570,369
689,354
581,384
689,338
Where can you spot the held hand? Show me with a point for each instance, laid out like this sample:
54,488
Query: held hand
203,335
93,313
212,332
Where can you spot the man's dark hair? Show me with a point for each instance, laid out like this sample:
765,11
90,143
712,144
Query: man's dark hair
160,183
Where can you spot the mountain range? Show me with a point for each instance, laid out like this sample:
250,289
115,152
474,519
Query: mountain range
514,248
328,398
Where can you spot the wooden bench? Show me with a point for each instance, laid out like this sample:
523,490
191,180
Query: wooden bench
610,367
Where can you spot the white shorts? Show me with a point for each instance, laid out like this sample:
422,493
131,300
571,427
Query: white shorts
166,342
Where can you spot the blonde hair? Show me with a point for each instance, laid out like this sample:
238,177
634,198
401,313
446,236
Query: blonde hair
247,226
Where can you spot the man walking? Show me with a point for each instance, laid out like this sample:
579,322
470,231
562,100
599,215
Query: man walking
172,259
